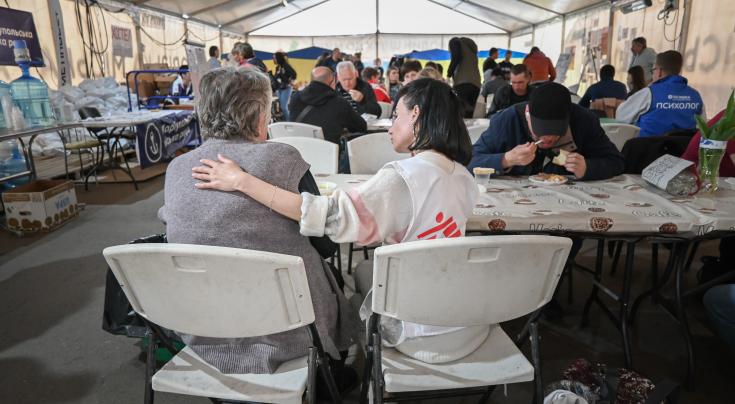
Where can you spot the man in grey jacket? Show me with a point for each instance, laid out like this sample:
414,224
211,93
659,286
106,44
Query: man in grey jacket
643,56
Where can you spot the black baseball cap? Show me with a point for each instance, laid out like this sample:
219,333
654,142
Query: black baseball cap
549,107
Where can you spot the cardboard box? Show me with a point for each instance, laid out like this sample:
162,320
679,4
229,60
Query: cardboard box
40,205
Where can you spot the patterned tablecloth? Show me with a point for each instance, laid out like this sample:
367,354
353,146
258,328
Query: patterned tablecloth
623,205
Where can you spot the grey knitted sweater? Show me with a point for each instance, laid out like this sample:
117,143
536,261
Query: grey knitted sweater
230,219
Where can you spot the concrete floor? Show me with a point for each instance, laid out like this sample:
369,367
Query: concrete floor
53,350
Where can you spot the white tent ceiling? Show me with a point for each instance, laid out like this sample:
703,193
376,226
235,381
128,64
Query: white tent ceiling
346,17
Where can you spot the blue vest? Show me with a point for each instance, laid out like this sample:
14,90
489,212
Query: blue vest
673,106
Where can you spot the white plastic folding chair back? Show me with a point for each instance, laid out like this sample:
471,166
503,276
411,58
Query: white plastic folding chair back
481,280
480,108
322,156
619,133
294,129
385,110
488,103
475,132
369,153
185,288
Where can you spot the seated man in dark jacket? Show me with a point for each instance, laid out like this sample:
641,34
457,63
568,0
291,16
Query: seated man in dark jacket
358,93
519,90
318,104
607,87
521,139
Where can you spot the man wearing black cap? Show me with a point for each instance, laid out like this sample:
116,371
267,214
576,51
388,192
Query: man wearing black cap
523,139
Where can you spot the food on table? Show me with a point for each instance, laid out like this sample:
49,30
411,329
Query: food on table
561,159
554,179
483,170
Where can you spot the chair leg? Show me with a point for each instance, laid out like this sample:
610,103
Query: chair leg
365,253
377,370
328,377
538,393
150,366
311,378
369,348
349,259
339,257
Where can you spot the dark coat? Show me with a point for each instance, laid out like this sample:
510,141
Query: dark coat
505,97
368,105
331,112
509,128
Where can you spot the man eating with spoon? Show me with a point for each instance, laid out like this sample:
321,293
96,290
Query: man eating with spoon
525,138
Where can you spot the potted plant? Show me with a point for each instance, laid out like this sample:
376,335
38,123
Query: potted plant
712,146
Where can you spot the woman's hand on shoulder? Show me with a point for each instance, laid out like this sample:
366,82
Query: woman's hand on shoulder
223,175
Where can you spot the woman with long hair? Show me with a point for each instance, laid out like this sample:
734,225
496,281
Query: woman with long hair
285,77
636,80
399,203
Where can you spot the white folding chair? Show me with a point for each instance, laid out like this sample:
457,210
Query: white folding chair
488,103
385,110
322,156
220,292
475,132
369,153
480,108
619,133
482,281
294,129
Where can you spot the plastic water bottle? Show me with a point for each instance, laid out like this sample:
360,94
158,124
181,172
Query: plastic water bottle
4,94
685,183
29,93
15,164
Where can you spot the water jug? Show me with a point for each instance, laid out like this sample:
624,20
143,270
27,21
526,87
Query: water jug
29,93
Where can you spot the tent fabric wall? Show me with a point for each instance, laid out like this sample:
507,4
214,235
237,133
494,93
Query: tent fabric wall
586,31
387,44
709,56
160,49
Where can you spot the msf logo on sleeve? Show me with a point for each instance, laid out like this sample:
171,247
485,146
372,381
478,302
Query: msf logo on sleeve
445,229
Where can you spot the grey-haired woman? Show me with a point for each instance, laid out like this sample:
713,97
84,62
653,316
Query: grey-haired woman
234,110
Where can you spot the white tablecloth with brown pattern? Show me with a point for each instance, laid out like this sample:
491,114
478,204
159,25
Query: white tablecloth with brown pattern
623,205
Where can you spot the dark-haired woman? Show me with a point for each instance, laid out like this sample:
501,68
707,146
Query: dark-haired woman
285,76
403,200
636,80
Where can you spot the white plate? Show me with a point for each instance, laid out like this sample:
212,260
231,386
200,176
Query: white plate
326,188
538,180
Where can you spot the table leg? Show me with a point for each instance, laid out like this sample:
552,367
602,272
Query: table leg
597,277
681,312
625,301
